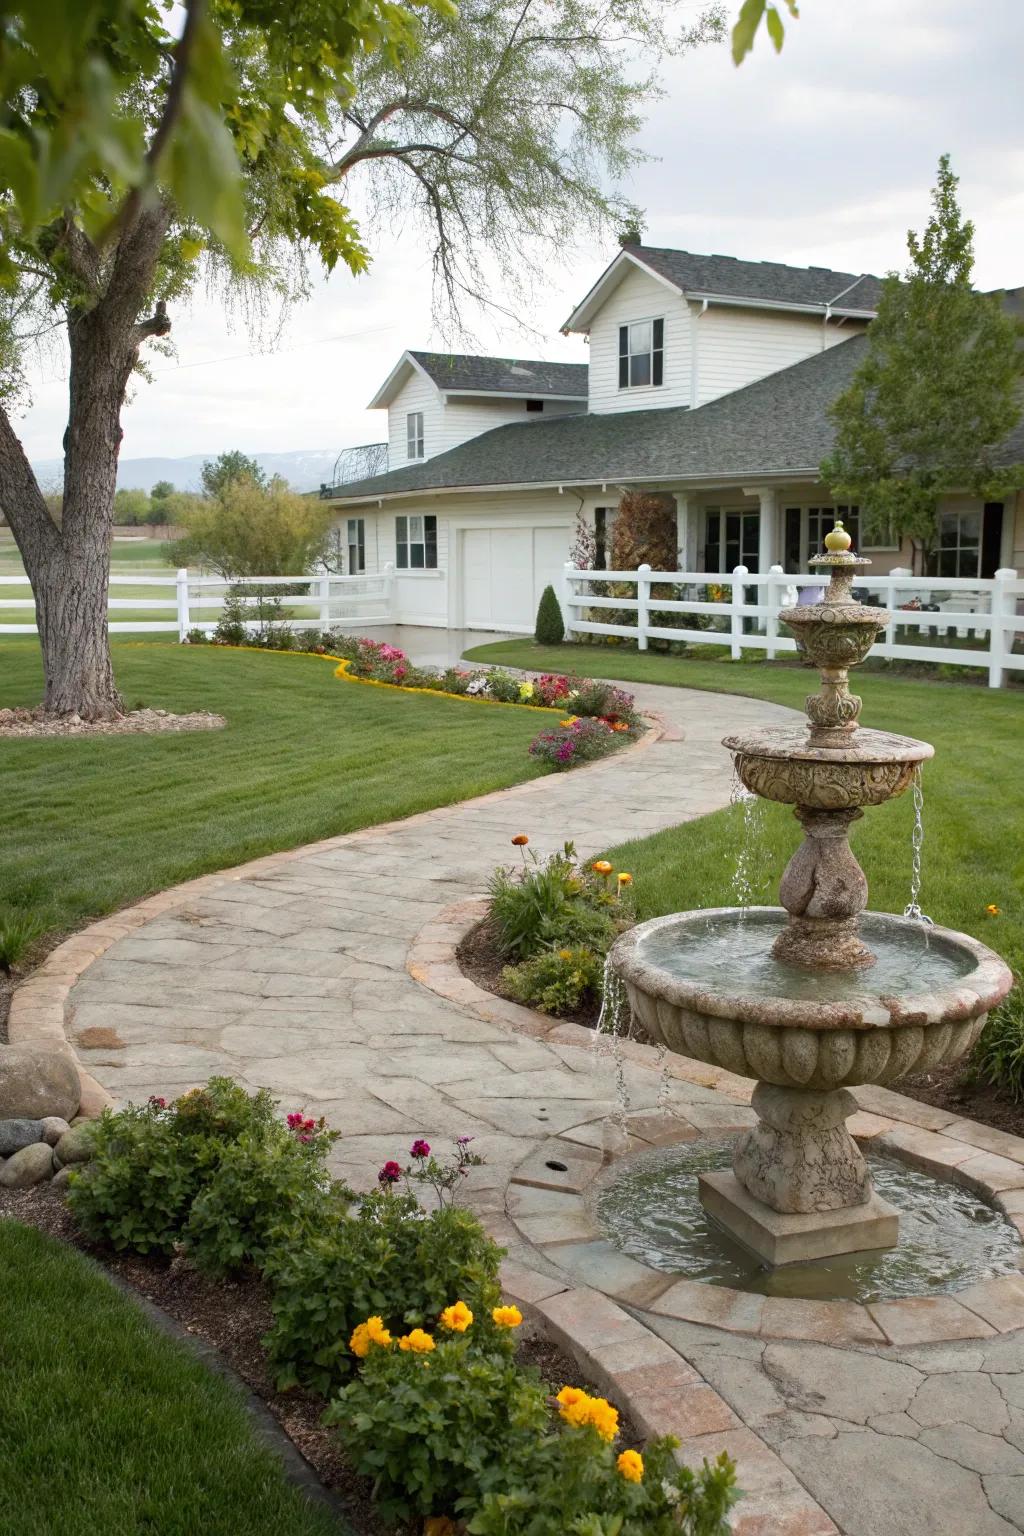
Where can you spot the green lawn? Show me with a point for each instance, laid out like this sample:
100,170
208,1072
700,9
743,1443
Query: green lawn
111,1427
974,795
91,824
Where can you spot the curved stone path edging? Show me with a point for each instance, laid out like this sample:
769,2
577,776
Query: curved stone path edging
291,973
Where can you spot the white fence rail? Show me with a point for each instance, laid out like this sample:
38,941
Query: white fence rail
988,612
196,602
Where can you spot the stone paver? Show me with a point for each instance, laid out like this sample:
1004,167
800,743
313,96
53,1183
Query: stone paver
325,975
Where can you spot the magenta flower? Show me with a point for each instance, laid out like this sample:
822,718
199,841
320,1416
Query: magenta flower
157,1103
294,1120
464,1141
390,1173
420,1148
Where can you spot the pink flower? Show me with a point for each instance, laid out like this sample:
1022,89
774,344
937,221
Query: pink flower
420,1148
390,1173
294,1120
464,1141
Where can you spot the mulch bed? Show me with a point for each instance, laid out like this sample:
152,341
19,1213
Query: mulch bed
38,722
949,1088
233,1316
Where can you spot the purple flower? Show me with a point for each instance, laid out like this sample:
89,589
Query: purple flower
420,1148
464,1141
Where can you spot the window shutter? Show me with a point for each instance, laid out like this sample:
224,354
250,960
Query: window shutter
623,356
658,350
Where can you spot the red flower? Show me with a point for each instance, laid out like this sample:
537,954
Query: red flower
420,1148
390,1173
294,1121
157,1102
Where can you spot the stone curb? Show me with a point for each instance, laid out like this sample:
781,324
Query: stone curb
547,1205
38,1007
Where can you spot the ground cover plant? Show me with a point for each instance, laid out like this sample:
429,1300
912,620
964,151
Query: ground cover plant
104,1414
302,757
973,817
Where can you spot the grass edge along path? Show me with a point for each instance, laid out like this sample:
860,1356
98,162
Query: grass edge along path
91,824
974,796
108,1418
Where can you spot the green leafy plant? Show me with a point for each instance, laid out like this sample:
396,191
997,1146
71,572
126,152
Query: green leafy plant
998,1057
570,743
550,627
388,1260
18,930
437,1428
574,1482
231,628
557,980
549,904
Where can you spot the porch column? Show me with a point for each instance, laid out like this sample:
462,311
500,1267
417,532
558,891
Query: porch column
687,515
767,532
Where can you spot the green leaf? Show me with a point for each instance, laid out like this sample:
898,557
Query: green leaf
205,176
745,30
776,31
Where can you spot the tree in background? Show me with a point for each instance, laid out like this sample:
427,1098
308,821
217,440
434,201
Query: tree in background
249,529
134,163
161,490
218,473
131,508
937,392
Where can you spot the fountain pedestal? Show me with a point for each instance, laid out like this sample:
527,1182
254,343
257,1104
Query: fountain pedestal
778,1237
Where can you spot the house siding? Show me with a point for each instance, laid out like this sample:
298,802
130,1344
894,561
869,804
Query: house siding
639,297
463,418
736,346
416,394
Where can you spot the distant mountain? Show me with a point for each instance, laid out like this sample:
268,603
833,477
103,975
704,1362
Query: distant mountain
304,469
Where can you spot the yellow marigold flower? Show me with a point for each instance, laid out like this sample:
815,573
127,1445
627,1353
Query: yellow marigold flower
604,1418
525,691
992,909
570,1398
565,954
507,1317
625,879
579,1408
417,1341
457,1318
571,720
370,1332
631,1466
602,867
378,1333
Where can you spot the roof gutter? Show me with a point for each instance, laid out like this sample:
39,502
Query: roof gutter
781,305
730,476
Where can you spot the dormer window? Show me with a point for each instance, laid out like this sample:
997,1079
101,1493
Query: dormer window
414,435
641,354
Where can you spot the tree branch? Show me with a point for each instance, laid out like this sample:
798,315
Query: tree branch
21,500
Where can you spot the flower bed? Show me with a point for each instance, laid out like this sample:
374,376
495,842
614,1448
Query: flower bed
392,1314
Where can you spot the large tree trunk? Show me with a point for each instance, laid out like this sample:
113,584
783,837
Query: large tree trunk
69,565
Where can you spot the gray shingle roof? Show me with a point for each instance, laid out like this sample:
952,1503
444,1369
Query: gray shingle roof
778,425
504,375
761,280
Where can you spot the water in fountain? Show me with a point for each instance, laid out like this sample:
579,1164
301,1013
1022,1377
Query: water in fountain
913,907
743,887
607,1039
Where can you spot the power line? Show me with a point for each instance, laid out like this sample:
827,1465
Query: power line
237,357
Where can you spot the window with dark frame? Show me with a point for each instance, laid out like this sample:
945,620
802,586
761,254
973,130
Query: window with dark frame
641,354
414,435
959,545
416,543
535,405
356,546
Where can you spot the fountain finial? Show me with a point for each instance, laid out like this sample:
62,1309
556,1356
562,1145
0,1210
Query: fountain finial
838,541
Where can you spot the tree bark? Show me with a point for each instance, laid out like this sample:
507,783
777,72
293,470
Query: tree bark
69,565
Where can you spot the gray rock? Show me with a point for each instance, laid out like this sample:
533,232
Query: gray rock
36,1082
15,1134
53,1128
75,1146
32,1165
62,1178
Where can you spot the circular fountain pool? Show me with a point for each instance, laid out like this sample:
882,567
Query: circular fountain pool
949,1238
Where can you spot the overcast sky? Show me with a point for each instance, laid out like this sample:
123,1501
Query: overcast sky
823,155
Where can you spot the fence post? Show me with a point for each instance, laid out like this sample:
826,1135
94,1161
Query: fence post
772,625
390,592
643,598
181,594
999,642
324,594
566,593
736,619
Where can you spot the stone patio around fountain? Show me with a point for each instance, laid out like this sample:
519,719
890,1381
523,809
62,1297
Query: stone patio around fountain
328,974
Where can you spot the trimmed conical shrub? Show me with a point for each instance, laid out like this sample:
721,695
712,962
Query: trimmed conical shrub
550,624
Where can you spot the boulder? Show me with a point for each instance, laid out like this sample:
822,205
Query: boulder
62,1178
53,1128
36,1081
29,1166
15,1134
75,1146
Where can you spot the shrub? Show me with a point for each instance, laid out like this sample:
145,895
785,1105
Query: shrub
570,743
575,1481
550,629
553,905
603,701
231,628
151,1161
503,686
269,1190
438,1427
998,1057
17,931
557,980
388,1260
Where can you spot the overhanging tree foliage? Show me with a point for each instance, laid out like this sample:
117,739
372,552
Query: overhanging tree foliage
133,161
937,393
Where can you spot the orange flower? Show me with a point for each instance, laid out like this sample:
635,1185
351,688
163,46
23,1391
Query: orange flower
992,909
507,1317
418,1342
602,867
625,879
520,840
457,1318
631,1466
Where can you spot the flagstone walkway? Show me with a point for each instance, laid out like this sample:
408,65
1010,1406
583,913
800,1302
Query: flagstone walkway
293,973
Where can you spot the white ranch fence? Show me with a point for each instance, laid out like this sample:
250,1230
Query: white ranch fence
988,612
196,602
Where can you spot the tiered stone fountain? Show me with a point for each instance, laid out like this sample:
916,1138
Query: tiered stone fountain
819,995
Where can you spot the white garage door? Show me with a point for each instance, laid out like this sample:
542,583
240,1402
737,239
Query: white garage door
504,572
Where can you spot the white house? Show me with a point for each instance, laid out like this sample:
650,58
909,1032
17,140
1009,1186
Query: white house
709,379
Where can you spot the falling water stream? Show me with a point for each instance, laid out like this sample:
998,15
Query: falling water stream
913,907
743,886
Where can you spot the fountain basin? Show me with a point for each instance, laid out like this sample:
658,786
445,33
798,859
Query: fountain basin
706,985
870,767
